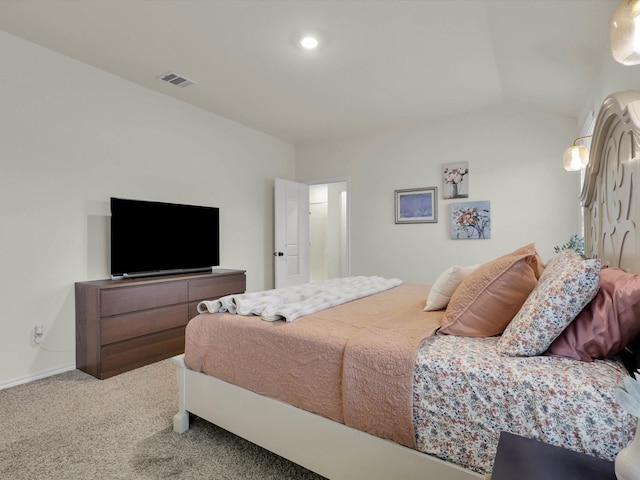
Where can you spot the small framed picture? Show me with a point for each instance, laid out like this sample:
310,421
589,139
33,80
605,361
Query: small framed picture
417,205
470,220
455,180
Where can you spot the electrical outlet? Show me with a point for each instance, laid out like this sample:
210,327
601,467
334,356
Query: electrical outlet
38,331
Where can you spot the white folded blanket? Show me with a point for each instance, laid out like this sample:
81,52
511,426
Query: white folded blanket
293,302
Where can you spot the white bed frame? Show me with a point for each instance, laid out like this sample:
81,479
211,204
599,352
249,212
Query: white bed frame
340,452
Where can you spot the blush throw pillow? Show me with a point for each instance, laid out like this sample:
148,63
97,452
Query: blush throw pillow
566,286
608,324
538,265
444,286
487,299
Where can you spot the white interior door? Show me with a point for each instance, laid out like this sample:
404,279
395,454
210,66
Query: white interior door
291,233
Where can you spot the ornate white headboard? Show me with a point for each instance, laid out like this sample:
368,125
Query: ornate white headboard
610,193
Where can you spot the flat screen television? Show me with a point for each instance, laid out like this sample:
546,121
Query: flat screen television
155,238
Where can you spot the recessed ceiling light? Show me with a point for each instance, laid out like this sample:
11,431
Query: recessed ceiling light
309,42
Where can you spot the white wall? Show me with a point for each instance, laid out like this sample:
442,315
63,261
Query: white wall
515,159
337,262
612,77
318,236
71,136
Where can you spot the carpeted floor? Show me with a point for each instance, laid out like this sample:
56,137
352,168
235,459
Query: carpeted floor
72,426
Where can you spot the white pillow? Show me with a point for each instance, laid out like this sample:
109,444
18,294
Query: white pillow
445,285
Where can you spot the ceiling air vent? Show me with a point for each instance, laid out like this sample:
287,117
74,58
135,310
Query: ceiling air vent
175,79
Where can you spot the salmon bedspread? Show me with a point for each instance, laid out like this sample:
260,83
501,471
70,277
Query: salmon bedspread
353,363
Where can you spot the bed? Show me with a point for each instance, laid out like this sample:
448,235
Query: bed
377,387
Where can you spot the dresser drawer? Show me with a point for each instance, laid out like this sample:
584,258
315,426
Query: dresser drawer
212,288
131,325
114,301
123,356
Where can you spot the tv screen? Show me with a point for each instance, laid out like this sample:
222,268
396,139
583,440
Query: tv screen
155,238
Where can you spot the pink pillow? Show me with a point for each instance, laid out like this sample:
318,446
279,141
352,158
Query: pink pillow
487,299
538,266
607,324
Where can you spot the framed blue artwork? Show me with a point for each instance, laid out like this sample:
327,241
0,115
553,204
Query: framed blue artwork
417,205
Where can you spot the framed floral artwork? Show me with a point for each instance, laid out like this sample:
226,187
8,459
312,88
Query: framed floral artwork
417,205
455,178
470,220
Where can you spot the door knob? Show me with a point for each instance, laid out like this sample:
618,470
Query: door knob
278,254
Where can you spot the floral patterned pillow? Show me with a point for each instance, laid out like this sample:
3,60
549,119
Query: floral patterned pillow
566,286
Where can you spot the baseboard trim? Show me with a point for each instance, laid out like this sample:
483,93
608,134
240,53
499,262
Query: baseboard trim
39,376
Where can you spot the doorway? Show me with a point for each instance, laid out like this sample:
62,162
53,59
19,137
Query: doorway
328,230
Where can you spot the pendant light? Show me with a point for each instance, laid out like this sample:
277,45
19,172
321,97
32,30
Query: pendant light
624,33
576,157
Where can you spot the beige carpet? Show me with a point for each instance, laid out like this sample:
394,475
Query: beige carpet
72,426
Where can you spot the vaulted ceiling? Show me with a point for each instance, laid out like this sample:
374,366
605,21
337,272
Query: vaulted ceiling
380,64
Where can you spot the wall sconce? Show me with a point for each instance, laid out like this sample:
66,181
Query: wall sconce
576,157
624,33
